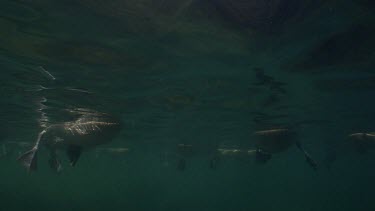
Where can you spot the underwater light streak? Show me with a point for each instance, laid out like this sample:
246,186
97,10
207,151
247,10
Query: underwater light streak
45,72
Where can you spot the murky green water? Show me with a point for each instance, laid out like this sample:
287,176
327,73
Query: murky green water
190,79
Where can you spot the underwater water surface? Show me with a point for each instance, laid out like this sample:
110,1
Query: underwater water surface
197,86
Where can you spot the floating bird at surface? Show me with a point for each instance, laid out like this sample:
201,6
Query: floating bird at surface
113,150
184,151
236,153
362,141
274,141
73,137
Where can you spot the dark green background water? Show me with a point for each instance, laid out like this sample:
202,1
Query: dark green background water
207,73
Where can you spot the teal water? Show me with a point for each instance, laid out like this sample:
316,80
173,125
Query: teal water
207,74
